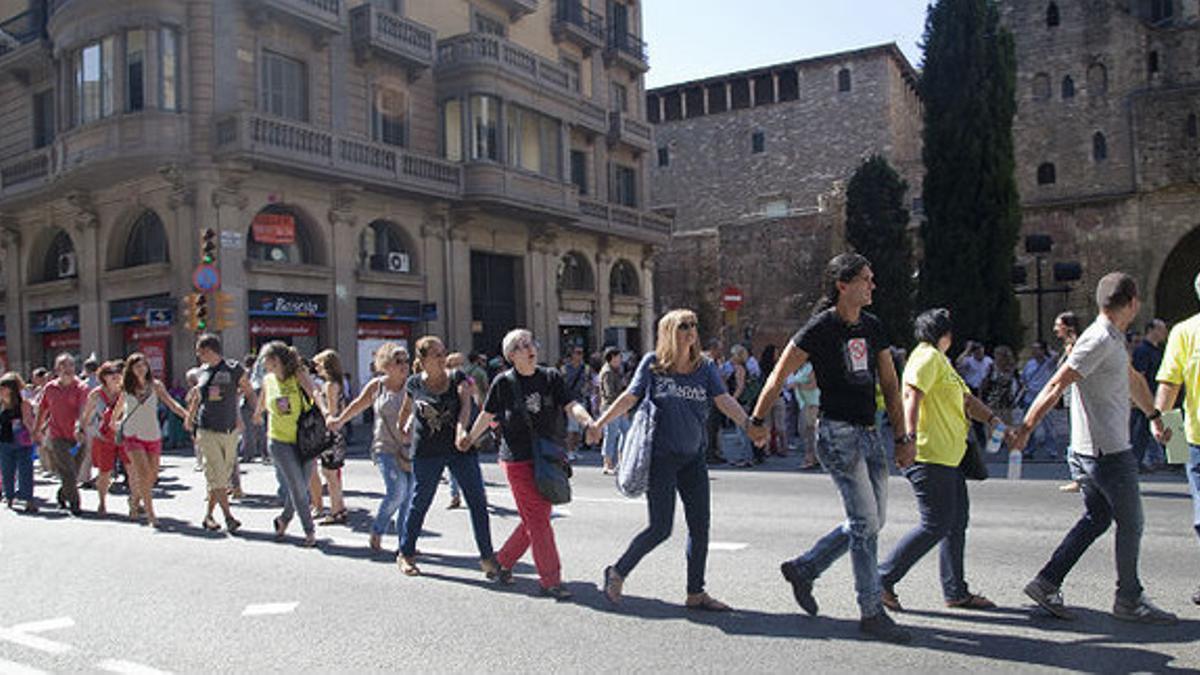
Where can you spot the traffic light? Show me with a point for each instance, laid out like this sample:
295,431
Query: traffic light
208,246
223,311
195,311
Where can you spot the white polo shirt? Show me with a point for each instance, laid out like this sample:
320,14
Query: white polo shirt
1100,401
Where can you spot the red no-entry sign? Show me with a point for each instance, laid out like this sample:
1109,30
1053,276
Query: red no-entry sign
732,299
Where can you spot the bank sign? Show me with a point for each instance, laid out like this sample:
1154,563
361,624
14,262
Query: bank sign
265,303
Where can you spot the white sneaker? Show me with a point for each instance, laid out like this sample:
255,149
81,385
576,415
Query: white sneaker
1143,611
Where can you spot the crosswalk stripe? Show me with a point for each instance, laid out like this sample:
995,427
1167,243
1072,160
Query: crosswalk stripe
269,608
33,642
48,624
727,546
14,668
128,668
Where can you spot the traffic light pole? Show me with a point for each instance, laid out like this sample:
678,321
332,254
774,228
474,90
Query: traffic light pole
1039,291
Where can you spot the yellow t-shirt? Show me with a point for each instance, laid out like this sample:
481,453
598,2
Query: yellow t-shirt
283,408
1181,365
942,424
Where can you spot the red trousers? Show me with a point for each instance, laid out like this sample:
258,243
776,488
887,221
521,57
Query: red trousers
534,529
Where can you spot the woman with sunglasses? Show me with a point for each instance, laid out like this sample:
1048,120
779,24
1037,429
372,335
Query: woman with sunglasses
391,450
684,386
529,401
98,425
437,409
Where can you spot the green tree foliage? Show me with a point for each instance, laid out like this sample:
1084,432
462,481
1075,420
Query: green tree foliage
876,227
970,195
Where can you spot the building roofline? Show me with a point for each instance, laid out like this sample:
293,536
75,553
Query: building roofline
885,49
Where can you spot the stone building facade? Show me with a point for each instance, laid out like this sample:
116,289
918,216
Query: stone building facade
1108,145
752,165
375,170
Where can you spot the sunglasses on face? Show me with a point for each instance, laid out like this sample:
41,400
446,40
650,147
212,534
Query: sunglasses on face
687,325
525,344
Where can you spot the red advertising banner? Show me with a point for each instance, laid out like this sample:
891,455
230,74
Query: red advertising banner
140,333
383,330
283,328
156,356
64,341
274,228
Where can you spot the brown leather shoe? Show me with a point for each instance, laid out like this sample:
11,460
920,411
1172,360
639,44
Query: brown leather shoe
972,601
891,601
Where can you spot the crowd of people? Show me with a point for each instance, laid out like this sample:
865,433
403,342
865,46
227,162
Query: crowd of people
839,391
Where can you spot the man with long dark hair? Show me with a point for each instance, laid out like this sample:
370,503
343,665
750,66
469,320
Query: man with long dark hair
850,353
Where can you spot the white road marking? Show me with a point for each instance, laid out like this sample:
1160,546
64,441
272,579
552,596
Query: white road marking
128,668
445,553
270,608
560,513
48,624
13,668
640,501
726,546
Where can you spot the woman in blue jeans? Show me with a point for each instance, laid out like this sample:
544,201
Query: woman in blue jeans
390,448
16,448
437,408
684,386
937,405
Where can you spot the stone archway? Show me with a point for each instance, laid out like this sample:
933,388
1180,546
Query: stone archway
1175,294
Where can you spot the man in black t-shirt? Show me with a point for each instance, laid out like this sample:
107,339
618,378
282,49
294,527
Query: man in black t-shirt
850,354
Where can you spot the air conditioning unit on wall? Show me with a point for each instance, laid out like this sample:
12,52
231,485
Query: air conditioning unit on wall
398,262
66,265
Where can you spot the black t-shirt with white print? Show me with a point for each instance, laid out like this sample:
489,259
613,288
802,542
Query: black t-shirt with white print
545,397
844,358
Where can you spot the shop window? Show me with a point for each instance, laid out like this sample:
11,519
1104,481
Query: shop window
147,241
624,279
1099,147
135,70
843,79
389,116
279,234
789,86
579,171
59,261
1046,174
1052,16
284,86
169,79
485,128
534,142
1097,79
574,273
1041,87
716,99
385,248
1068,87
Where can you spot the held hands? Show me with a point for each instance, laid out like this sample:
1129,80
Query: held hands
333,423
1018,437
257,419
463,443
1161,433
188,425
594,434
906,454
759,435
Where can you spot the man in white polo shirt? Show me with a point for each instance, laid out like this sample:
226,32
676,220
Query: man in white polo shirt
1102,381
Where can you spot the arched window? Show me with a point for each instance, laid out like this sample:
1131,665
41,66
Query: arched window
844,79
1097,79
1052,17
1068,87
1099,147
624,279
60,261
384,247
1041,87
1193,126
281,234
147,241
1046,174
574,273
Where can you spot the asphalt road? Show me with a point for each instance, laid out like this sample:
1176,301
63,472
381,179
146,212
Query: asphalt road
92,595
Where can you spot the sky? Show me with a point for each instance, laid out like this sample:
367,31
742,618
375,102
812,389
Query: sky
692,39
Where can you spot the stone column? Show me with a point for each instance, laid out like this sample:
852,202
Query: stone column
603,315
224,209
543,290
458,278
649,313
343,302
187,224
15,325
92,317
434,270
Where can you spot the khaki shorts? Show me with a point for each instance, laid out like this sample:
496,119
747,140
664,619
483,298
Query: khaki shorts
219,451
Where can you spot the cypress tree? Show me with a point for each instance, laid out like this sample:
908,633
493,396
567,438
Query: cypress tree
972,208
876,227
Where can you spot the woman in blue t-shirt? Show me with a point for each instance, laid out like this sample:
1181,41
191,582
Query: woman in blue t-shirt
684,387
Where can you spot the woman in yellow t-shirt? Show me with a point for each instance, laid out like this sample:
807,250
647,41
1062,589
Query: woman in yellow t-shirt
282,402
936,405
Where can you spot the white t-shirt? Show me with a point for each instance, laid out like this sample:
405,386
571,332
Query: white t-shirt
974,371
1100,401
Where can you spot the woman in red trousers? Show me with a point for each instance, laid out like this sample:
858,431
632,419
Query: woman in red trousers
529,401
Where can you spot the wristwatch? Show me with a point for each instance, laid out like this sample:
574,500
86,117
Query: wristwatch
1154,415
756,421
905,439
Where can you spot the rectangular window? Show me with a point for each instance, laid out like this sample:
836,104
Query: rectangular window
394,6
88,83
534,142
664,156
758,142
485,128
108,67
620,98
168,64
388,116
135,70
488,25
624,186
43,118
284,87
579,172
575,72
452,130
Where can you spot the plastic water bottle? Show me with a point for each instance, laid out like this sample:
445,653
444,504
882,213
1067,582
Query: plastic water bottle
996,439
1014,464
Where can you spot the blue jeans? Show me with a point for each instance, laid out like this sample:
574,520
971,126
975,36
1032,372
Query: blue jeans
16,465
1193,476
293,480
427,471
854,458
614,433
687,475
1110,492
942,498
398,485
1145,448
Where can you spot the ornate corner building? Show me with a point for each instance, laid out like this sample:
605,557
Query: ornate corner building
375,170
1108,144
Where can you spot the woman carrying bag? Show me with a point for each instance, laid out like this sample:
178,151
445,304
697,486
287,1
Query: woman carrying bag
684,386
287,392
529,401
937,404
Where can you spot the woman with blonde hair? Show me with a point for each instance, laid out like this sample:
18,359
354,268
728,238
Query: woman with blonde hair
684,387
328,366
391,450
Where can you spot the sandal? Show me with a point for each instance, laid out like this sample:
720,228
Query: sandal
211,524
612,585
310,540
334,518
376,542
232,524
280,528
408,567
706,603
971,601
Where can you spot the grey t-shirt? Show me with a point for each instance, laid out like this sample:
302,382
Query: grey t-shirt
218,388
1100,401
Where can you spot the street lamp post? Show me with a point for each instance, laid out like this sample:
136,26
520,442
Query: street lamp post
1063,272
